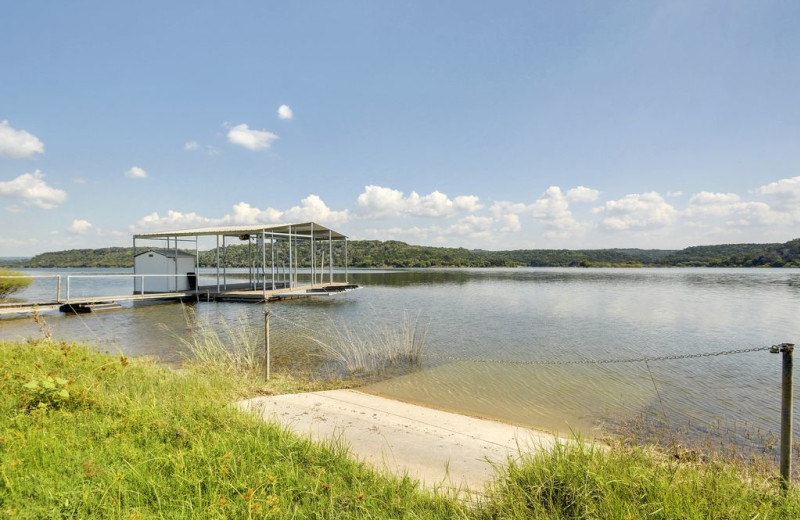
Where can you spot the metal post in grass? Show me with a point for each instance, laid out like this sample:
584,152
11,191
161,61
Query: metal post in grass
787,389
266,343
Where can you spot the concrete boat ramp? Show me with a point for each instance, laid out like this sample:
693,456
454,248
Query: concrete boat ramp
440,449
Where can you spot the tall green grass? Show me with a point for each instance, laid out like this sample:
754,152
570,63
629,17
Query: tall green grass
222,345
373,350
582,480
87,435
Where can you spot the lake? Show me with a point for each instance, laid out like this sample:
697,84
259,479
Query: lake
496,336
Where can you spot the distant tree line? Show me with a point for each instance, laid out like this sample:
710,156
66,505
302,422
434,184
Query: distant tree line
392,253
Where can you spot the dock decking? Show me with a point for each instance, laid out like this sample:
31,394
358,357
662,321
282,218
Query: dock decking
204,293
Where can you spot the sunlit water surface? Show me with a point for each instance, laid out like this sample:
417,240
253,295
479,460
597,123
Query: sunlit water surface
487,329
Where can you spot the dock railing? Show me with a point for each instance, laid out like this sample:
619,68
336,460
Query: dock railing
57,277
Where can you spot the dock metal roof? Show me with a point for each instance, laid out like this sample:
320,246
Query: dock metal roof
303,228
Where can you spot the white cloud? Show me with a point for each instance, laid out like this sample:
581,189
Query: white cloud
582,194
194,146
80,227
784,194
136,173
381,202
506,215
467,203
18,144
32,190
284,112
706,203
552,210
173,220
471,226
637,212
311,208
674,194
251,139
705,206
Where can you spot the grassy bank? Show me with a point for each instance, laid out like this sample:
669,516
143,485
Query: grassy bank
88,435
85,435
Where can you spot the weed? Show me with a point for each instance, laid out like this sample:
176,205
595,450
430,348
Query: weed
372,351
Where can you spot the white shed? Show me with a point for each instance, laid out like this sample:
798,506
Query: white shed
163,271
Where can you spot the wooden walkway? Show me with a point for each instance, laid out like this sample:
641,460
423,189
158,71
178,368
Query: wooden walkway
204,293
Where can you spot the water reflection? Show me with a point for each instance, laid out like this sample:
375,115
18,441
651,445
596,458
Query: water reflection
508,316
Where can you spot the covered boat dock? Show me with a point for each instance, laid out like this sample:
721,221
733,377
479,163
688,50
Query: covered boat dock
282,261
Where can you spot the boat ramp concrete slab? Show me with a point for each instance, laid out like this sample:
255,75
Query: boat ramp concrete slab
438,448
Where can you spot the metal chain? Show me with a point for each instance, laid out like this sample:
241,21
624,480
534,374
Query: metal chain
607,361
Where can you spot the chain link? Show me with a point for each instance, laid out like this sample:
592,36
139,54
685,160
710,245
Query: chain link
606,361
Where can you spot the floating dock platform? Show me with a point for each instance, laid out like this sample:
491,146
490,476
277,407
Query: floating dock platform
205,294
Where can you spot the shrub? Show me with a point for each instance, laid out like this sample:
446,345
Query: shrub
12,281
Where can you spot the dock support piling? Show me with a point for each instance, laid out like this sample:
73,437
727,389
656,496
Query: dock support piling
266,344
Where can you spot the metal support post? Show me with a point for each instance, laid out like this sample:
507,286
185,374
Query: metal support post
290,256
197,268
266,344
313,256
787,389
345,259
330,255
224,263
272,258
176,264
217,264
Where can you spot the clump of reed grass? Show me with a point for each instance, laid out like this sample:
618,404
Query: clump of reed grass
222,345
373,350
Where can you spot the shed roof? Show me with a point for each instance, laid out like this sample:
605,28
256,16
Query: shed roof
303,228
169,253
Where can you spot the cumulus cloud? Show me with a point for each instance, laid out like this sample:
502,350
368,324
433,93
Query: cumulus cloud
249,138
382,202
311,208
80,227
191,146
173,220
18,144
552,210
32,190
284,112
506,215
472,226
783,194
637,211
136,173
582,194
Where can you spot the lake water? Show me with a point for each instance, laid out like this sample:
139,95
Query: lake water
487,329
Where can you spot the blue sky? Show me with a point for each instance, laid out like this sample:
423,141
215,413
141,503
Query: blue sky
478,124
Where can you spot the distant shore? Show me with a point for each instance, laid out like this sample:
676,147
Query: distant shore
388,254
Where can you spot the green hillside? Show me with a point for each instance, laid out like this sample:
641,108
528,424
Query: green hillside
392,253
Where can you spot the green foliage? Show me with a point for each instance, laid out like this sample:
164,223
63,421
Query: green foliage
45,393
13,283
576,481
105,257
87,435
392,253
